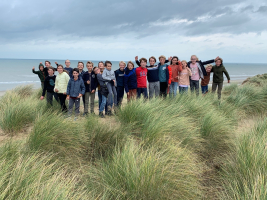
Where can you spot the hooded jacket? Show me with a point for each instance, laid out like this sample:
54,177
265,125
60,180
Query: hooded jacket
41,74
75,87
93,81
103,86
130,81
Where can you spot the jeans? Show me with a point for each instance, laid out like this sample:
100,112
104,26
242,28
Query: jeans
100,101
62,99
163,89
89,97
142,91
49,97
112,95
214,87
153,89
103,103
194,86
173,89
120,93
205,89
183,90
77,106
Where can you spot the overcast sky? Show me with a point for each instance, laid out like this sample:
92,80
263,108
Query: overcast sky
236,30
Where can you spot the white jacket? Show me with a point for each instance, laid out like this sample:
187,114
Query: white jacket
61,83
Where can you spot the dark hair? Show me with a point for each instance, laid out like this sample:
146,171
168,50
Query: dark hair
107,62
48,62
94,68
75,70
176,58
80,62
143,59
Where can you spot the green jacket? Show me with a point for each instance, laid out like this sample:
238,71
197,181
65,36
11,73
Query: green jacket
41,74
218,73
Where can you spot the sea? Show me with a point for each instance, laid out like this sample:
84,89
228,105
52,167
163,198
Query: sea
18,72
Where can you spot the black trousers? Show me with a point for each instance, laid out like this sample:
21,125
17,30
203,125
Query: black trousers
163,89
62,99
120,93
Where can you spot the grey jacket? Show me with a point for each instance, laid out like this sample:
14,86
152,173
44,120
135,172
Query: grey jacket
108,75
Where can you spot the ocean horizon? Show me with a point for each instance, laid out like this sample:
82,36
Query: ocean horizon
16,72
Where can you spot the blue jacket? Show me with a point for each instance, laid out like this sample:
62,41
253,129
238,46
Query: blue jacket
93,81
75,87
81,74
130,81
119,78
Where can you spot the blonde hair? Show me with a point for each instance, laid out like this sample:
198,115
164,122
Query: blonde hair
90,63
184,62
162,57
130,62
122,62
194,56
208,66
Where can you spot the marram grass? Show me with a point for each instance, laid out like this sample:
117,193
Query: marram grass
155,149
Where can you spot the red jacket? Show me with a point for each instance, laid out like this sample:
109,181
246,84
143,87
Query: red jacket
141,76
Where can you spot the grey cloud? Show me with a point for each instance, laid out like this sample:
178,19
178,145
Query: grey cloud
28,20
262,9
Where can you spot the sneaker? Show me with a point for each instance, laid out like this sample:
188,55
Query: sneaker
101,115
85,114
109,113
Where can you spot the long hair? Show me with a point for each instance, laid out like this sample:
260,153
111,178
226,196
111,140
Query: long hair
195,56
62,68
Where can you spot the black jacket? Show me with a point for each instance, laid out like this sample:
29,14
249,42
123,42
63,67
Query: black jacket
49,84
93,81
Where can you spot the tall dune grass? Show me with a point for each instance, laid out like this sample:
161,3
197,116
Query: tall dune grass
137,173
244,174
54,134
35,176
103,138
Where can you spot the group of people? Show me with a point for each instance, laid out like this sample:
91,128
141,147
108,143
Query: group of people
163,79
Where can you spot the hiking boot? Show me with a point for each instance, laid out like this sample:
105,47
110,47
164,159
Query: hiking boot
101,114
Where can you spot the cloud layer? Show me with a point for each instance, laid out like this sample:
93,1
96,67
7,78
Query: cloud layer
138,26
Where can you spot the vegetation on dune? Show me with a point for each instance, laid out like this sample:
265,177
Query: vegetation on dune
173,148
245,171
137,173
259,80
